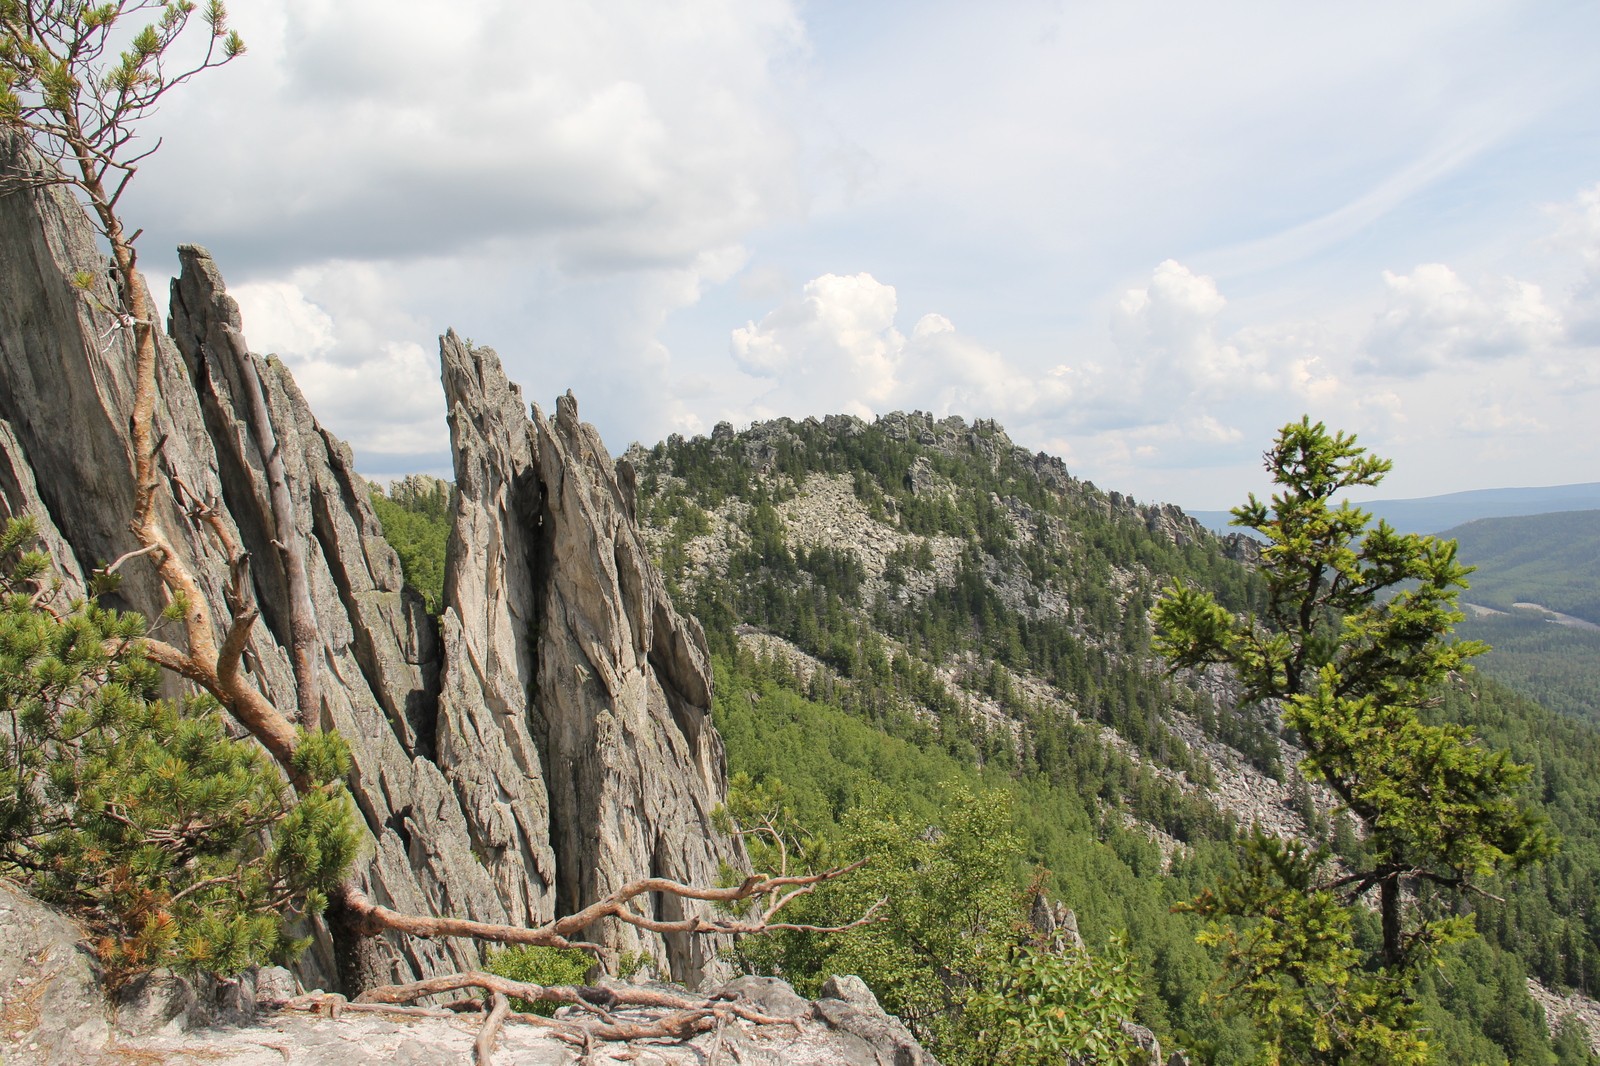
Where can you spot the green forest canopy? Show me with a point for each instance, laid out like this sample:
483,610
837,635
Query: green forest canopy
1549,559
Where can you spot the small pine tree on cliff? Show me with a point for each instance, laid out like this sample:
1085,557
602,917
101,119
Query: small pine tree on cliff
1352,646
175,844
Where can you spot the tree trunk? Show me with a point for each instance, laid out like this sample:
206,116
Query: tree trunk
1389,911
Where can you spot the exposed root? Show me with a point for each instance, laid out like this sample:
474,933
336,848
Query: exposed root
690,1015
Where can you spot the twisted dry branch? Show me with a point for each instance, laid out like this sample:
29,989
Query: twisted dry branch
372,919
690,1015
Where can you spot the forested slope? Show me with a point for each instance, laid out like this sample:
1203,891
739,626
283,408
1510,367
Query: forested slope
910,611
1549,559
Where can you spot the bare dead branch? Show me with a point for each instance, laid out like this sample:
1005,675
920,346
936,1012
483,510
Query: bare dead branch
126,556
372,919
755,885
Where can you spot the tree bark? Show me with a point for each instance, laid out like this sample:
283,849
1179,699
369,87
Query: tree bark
1389,911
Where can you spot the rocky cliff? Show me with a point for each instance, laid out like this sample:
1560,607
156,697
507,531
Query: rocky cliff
548,739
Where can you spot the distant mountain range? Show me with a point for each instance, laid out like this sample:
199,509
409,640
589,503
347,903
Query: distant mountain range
1431,514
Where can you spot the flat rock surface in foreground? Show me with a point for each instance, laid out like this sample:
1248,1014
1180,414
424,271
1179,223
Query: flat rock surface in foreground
370,1040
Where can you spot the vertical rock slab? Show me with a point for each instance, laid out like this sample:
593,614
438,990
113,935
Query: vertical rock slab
567,673
486,747
624,691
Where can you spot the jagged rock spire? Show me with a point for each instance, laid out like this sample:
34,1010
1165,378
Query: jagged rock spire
556,618
553,741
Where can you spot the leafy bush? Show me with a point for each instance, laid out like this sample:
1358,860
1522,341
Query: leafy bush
1047,1007
952,955
175,844
540,966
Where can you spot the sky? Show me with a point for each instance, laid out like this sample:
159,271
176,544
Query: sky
1141,235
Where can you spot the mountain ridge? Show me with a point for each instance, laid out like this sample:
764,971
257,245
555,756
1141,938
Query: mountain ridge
1434,514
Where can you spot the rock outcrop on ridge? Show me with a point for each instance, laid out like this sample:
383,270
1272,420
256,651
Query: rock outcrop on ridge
553,741
557,624
53,1012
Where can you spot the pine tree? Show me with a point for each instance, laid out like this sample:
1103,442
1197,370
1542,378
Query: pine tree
1352,646
175,844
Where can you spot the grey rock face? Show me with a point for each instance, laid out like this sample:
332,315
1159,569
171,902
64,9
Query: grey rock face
568,671
1243,548
1149,1053
1054,925
51,1007
167,1003
487,751
552,743
770,995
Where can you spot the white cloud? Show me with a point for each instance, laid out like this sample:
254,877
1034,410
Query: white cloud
835,344
282,321
1579,233
573,184
1180,392
1497,420
1172,393
835,347
381,393
1168,335
614,134
556,180
949,372
1433,320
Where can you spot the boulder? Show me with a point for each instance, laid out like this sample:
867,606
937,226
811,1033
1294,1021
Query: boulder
52,1010
848,1007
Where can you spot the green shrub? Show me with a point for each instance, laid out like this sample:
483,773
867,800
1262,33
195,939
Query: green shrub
1046,1007
416,521
540,966
945,957
173,843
